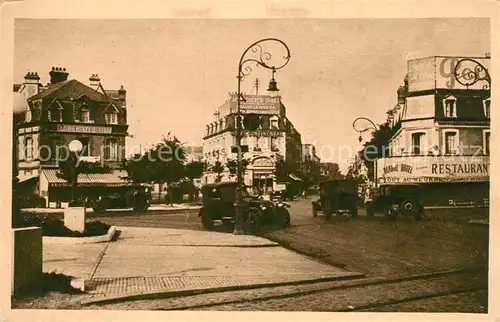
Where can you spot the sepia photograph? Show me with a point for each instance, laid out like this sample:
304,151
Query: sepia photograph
257,164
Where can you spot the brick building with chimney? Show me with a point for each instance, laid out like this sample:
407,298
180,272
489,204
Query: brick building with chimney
62,111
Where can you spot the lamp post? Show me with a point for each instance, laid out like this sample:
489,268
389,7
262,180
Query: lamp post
260,58
469,71
75,147
357,121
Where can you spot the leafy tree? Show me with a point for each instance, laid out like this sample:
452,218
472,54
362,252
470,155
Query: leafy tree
70,168
283,169
377,147
194,169
232,165
163,163
217,168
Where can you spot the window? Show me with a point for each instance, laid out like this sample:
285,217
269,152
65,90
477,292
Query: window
113,149
57,115
274,144
486,107
86,146
450,109
450,142
112,118
274,122
416,141
28,146
486,142
84,115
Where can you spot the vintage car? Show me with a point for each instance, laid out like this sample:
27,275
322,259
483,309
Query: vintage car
136,196
397,199
219,205
337,197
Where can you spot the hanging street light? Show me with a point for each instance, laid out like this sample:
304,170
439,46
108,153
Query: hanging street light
261,58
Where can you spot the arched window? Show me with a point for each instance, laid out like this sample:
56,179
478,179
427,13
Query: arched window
450,106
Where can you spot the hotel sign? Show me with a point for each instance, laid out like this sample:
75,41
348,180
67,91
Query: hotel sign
433,169
260,104
83,129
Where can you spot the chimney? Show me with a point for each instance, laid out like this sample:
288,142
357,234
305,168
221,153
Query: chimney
31,78
94,81
57,75
122,93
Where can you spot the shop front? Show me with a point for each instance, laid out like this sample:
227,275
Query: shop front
446,181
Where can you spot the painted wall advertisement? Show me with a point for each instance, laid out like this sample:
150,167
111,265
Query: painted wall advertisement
256,104
433,169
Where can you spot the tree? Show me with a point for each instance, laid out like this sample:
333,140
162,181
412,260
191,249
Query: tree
194,169
217,168
377,147
70,168
232,165
283,169
163,163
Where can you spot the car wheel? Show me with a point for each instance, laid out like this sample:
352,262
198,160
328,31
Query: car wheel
206,220
408,206
252,222
283,217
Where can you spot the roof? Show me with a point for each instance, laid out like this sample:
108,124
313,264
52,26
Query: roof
114,178
16,87
67,90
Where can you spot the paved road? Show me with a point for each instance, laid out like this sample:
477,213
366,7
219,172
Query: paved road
376,246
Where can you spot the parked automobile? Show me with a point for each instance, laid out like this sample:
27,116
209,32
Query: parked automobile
219,205
137,196
337,197
397,199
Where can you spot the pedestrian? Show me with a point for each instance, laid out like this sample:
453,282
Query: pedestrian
304,194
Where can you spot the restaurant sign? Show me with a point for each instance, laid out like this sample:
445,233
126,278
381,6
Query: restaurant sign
83,129
433,169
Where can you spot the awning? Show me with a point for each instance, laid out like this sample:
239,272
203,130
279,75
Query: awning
294,177
114,178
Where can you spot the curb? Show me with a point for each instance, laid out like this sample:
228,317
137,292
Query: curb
216,289
28,212
81,240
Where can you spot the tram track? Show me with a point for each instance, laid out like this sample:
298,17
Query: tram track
403,289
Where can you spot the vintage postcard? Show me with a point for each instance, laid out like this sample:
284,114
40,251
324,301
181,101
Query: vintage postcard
328,159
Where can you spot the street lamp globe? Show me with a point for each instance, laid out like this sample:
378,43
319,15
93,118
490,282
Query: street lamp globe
75,146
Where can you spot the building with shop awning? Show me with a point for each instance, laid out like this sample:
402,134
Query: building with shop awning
55,189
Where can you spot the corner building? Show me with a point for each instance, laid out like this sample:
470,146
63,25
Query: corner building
443,139
62,111
266,130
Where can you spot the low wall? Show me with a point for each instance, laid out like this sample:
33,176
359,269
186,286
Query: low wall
27,263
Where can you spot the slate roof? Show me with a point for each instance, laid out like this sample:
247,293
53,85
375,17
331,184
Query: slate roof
67,90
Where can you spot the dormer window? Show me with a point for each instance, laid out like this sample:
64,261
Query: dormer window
450,106
274,122
58,117
112,118
84,115
486,107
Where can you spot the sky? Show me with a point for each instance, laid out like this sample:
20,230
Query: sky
177,72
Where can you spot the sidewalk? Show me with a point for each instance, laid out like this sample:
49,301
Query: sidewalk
151,262
153,207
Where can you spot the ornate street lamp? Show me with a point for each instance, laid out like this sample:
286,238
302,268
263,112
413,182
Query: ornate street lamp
469,71
75,147
355,126
261,58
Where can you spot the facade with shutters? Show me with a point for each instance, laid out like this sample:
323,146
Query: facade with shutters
267,133
62,111
443,136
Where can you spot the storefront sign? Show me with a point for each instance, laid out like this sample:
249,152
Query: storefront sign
260,104
262,133
433,169
83,129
